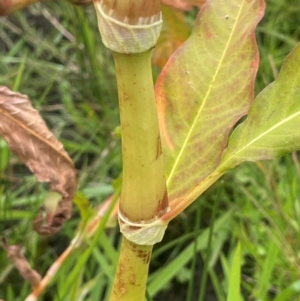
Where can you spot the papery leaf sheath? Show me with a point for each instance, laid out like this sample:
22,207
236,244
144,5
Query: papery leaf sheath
205,88
272,127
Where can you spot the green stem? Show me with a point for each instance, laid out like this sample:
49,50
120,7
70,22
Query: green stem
132,272
144,194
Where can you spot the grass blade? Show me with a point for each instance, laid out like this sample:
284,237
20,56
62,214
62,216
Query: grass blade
235,276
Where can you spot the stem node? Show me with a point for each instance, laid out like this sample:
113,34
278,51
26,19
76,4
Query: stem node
142,233
122,31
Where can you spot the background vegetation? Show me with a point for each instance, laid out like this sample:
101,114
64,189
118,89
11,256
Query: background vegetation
53,53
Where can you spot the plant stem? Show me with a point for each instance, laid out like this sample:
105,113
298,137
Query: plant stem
130,29
132,272
144,195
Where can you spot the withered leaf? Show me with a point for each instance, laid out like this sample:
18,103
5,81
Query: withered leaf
14,252
29,138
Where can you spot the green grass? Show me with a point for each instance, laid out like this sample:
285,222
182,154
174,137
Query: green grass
69,76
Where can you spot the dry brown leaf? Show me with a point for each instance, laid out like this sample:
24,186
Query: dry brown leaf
14,253
29,138
183,5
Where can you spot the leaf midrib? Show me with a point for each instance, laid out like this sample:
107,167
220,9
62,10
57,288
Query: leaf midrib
184,145
273,128
33,133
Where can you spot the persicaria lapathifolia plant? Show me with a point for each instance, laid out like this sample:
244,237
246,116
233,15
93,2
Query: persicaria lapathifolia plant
175,137
130,29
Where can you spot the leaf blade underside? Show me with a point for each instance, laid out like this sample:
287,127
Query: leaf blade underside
205,88
272,127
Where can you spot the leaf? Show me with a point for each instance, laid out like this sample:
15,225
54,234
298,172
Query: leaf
8,7
293,290
159,280
174,32
29,138
205,88
235,276
183,4
272,126
84,206
269,265
14,253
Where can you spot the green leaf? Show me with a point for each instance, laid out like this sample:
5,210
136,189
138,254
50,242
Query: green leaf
235,276
84,205
160,279
291,291
272,126
264,281
207,86
4,155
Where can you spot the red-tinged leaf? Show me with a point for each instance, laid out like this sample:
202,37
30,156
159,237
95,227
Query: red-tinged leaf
272,125
205,88
184,5
174,32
